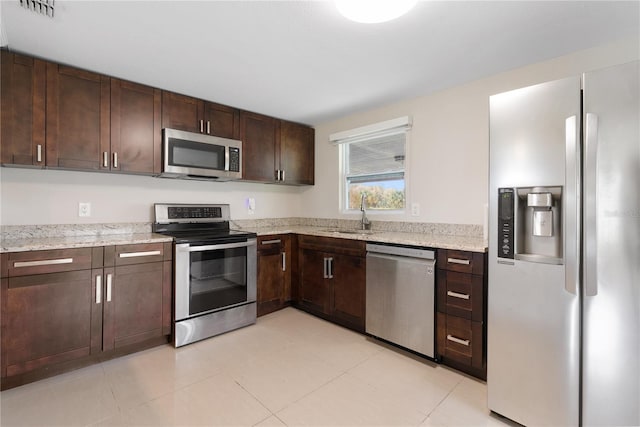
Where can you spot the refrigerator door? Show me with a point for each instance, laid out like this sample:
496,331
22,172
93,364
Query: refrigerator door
533,313
611,318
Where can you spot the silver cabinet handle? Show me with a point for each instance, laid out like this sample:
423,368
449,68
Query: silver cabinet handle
457,295
98,289
115,160
19,264
201,126
572,215
270,242
39,153
590,206
330,263
282,175
458,340
139,254
324,268
105,159
458,261
277,174
208,127
284,261
109,280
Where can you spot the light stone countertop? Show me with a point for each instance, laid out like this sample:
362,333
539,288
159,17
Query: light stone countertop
46,243
463,243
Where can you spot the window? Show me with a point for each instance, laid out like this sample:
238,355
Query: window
373,165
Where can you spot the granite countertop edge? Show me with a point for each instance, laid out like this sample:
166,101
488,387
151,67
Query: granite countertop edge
438,241
66,242
465,243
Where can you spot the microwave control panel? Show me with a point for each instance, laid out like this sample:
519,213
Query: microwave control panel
234,159
505,222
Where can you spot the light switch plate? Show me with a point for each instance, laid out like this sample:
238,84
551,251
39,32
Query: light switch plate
84,209
415,209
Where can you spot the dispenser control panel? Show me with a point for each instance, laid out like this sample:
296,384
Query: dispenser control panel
506,216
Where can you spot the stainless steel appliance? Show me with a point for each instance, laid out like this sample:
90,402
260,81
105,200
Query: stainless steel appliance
401,296
191,155
214,270
564,251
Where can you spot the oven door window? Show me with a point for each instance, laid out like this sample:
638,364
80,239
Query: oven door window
218,279
192,154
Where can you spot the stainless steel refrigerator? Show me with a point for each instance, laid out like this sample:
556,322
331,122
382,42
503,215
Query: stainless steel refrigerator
564,251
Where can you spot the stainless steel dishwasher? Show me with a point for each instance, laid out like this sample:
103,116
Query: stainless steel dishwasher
401,296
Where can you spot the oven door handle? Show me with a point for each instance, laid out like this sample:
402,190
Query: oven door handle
222,246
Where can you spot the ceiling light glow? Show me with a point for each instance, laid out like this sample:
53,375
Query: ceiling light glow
374,11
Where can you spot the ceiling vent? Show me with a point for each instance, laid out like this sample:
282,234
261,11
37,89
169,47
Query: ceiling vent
43,7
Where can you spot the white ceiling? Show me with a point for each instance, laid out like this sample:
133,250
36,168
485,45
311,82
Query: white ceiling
300,60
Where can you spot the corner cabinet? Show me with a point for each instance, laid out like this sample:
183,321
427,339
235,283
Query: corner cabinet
332,279
66,308
274,273
461,311
276,151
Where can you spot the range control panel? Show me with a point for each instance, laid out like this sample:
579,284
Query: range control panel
505,222
181,212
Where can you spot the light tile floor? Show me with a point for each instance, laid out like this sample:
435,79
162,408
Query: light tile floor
290,368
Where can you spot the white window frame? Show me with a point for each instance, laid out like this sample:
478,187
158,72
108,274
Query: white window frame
342,139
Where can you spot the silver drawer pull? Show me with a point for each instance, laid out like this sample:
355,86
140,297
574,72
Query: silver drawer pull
458,340
284,261
39,153
458,261
43,262
137,254
270,242
457,295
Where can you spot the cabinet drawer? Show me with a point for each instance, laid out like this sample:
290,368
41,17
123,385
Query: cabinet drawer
50,261
461,261
271,245
460,340
136,253
333,245
460,294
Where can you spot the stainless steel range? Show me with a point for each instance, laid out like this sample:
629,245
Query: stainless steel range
214,270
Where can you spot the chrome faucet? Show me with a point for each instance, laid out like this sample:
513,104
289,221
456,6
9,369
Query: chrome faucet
364,222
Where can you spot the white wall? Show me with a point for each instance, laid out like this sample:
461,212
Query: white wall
447,166
447,161
30,196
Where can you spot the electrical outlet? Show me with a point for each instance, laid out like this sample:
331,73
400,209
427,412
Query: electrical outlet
84,209
415,209
251,205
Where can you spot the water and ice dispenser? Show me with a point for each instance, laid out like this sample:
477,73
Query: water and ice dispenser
530,224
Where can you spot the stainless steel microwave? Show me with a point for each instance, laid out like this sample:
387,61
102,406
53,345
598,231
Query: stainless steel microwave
190,155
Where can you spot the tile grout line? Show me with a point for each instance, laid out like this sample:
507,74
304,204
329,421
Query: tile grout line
442,401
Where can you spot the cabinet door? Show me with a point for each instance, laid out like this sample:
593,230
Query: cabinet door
22,134
297,153
222,121
135,128
78,118
258,135
271,274
314,287
50,318
182,112
133,304
348,287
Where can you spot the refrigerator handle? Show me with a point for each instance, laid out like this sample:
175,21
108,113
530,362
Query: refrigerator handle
591,205
572,200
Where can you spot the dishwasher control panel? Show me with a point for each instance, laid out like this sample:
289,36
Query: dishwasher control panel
401,251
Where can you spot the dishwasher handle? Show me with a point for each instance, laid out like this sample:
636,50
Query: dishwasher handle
403,259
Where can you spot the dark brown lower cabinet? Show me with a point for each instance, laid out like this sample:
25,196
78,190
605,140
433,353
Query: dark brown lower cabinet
332,279
61,309
461,311
274,273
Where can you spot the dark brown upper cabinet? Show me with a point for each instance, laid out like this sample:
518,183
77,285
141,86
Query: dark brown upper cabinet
78,119
276,151
195,115
135,128
22,117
